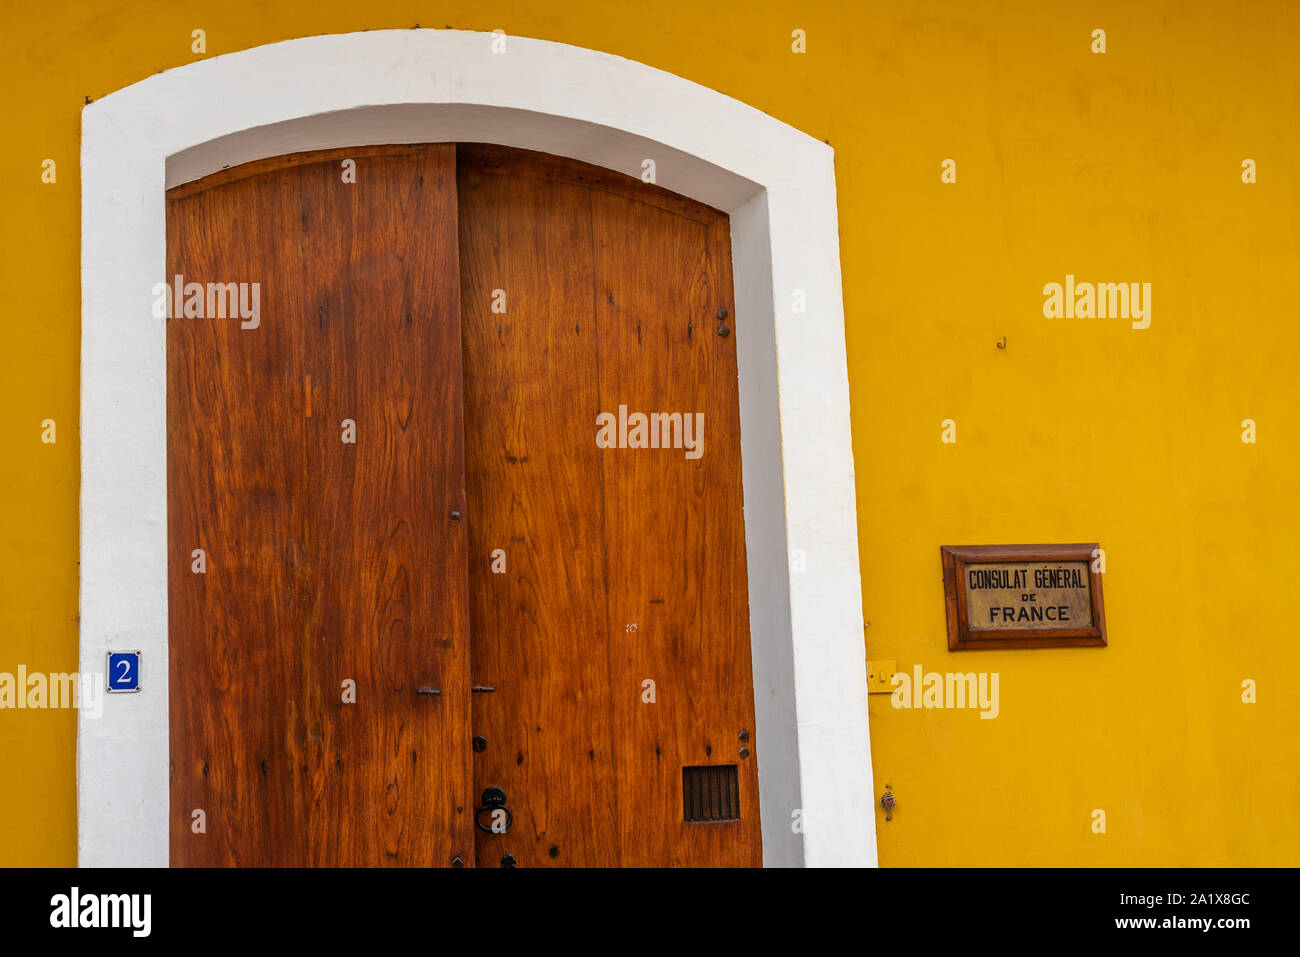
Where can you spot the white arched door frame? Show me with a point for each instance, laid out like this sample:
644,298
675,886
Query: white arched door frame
400,86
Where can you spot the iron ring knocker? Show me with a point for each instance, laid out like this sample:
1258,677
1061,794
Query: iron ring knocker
494,799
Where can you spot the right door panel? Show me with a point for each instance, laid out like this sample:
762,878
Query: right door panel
603,461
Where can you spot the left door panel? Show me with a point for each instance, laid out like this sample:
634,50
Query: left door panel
316,458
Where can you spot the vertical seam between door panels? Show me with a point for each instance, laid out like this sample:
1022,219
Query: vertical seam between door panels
604,543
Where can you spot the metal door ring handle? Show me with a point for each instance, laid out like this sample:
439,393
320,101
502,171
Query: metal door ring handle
493,799
487,829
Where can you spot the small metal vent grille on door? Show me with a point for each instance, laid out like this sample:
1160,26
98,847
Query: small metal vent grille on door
710,793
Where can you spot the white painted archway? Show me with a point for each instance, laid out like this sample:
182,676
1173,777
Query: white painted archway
398,86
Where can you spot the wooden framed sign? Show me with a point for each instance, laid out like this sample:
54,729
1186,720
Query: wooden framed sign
1022,596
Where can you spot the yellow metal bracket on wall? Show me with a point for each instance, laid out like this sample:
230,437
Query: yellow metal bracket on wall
880,675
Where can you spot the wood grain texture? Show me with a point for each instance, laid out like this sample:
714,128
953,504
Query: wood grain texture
533,481
327,560
236,489
625,564
675,541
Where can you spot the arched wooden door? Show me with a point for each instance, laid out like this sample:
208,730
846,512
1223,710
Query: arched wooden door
455,517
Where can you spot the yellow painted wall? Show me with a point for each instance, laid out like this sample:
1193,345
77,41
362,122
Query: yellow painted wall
1116,167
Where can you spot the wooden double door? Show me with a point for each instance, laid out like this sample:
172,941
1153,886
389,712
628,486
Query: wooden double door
457,557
